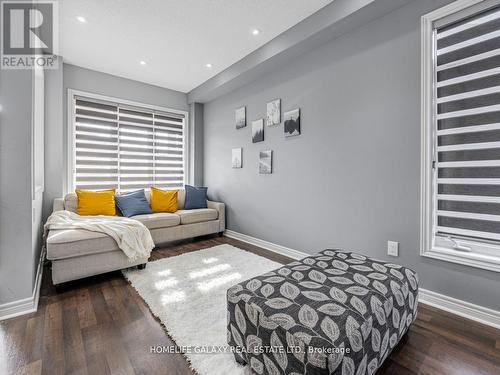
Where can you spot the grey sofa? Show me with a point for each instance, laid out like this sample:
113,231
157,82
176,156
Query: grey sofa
80,253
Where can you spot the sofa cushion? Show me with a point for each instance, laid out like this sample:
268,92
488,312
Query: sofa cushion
163,200
181,195
92,203
197,215
158,220
132,204
67,243
196,197
71,202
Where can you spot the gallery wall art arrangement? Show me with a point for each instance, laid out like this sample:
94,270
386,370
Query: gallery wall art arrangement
257,131
241,118
236,157
291,128
292,123
266,162
273,116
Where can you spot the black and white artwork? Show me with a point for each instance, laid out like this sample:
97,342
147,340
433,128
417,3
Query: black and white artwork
236,157
240,117
273,116
266,162
258,130
292,123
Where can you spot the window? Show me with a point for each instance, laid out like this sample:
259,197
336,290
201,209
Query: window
125,145
461,134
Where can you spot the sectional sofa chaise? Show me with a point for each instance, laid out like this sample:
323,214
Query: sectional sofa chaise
79,253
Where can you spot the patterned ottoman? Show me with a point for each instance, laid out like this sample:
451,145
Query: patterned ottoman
335,312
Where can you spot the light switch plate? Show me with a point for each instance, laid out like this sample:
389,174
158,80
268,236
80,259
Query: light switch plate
393,248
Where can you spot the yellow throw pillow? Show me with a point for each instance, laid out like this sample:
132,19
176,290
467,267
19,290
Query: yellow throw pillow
96,202
163,201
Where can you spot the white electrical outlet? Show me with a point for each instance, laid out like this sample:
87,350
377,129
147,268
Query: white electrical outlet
393,248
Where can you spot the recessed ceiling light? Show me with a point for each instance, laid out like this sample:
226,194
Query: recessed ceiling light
142,62
81,19
255,31
208,65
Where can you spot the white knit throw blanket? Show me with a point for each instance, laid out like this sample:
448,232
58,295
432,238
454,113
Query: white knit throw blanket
130,235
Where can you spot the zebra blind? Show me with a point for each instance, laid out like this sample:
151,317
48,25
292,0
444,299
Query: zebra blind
126,148
467,113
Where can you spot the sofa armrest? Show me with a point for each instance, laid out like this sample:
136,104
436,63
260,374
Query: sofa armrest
221,208
58,205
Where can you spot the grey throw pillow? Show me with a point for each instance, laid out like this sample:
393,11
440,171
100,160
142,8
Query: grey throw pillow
196,197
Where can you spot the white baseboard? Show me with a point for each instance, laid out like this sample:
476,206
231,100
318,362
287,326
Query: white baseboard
286,251
452,305
26,305
464,309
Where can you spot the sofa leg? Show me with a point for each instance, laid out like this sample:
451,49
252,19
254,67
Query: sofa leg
141,266
221,234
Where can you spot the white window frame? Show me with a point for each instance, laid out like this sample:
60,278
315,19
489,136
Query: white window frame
480,254
71,136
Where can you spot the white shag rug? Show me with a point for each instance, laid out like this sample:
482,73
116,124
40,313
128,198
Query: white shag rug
188,294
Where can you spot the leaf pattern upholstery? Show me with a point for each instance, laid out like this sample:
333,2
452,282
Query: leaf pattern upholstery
335,312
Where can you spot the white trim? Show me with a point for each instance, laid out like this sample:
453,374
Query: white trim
70,144
463,258
26,305
38,79
282,250
131,103
71,139
427,131
461,308
455,306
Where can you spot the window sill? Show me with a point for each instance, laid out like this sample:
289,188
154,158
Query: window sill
468,259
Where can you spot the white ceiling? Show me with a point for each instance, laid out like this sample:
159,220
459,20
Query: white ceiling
176,38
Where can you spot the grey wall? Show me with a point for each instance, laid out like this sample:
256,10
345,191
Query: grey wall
16,252
352,178
74,77
37,151
54,139
196,151
83,79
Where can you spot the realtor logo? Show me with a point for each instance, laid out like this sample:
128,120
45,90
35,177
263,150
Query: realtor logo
29,34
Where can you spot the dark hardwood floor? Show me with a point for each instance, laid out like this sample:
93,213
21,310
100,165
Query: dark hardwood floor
100,325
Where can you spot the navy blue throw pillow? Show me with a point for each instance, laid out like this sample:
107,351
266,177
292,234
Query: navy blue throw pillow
134,203
196,197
